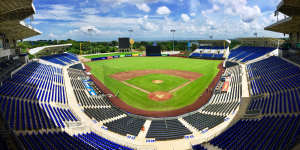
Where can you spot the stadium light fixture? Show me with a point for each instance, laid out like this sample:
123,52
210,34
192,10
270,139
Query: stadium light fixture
173,31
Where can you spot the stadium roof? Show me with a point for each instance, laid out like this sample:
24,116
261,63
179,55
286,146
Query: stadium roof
15,9
18,30
51,47
288,25
289,7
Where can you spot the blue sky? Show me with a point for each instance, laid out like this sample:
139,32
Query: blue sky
106,20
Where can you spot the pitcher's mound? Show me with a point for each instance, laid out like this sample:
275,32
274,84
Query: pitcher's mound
157,81
160,96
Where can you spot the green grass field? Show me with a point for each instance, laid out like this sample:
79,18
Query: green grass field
169,82
181,98
113,54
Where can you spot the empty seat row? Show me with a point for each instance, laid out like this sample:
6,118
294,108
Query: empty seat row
50,92
85,100
99,142
167,129
76,74
247,53
272,75
283,102
61,59
202,121
23,115
266,133
126,125
225,103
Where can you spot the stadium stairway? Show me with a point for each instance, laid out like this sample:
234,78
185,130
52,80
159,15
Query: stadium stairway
142,134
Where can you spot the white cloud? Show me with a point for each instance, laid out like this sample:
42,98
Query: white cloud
56,12
51,35
194,6
239,8
212,10
193,14
146,25
90,11
185,17
163,10
144,7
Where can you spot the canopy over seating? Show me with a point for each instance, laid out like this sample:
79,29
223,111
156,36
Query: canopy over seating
15,9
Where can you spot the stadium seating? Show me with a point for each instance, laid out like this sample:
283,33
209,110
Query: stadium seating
203,121
62,140
126,125
274,86
225,103
283,102
272,75
247,53
198,147
99,142
26,96
61,59
208,52
207,55
167,129
265,133
276,83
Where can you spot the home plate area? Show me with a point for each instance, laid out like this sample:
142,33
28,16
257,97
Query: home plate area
160,96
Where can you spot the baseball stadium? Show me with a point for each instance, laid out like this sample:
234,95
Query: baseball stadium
212,95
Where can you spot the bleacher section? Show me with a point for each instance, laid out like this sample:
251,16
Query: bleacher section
275,97
209,52
276,83
273,75
203,121
61,59
62,140
247,53
25,98
225,103
101,114
266,133
167,129
126,125
198,147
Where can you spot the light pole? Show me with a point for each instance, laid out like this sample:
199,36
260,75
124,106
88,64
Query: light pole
173,31
130,34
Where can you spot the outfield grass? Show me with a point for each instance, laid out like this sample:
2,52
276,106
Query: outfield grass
169,82
181,98
112,54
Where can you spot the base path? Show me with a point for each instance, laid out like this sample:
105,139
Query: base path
202,100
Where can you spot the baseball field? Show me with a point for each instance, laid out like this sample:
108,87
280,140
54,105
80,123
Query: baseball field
156,83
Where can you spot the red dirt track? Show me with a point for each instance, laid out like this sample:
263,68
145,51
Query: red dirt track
202,100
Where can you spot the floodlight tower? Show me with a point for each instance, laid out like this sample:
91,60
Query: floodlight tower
173,31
